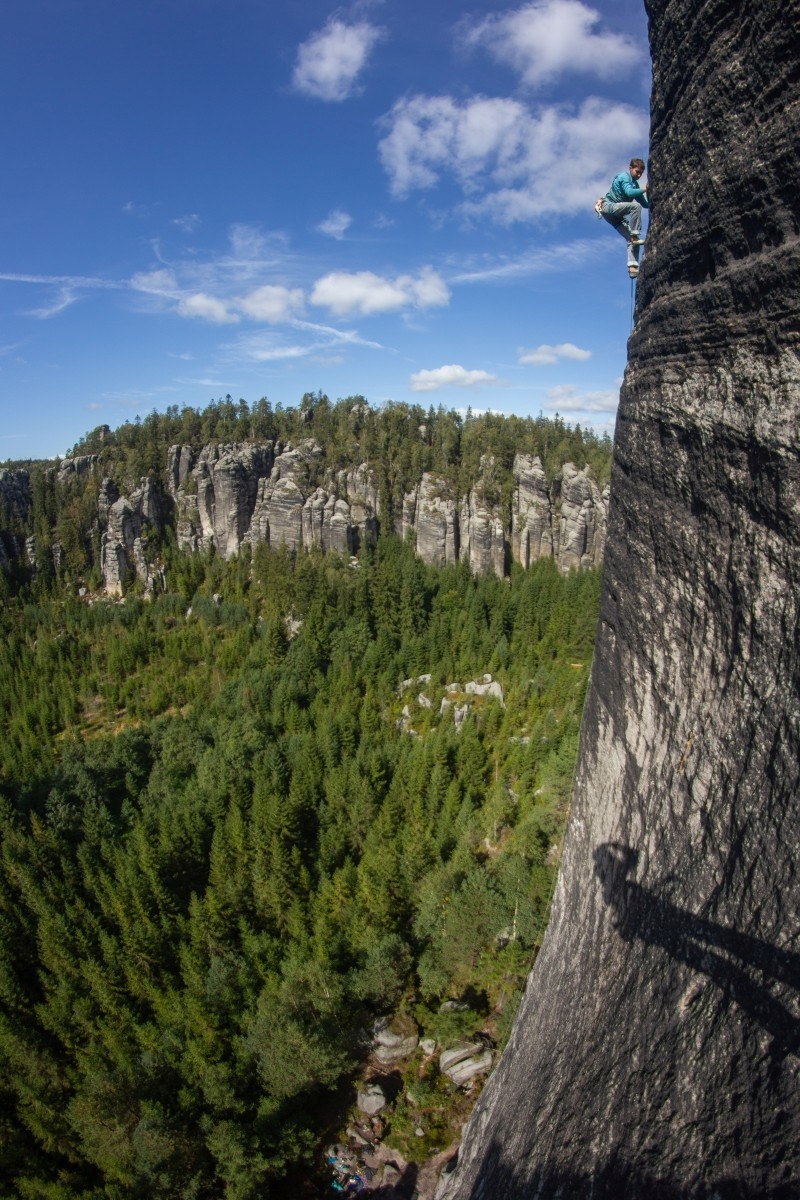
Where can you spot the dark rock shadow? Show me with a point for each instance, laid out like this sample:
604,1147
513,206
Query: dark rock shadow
500,1180
746,969
403,1189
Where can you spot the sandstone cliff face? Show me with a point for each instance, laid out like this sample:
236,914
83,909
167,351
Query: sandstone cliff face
227,495
657,1050
76,468
565,520
216,494
433,515
125,522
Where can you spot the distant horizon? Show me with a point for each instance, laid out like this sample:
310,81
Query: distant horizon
371,199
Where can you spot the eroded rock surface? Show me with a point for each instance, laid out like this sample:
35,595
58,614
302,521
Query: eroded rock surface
228,495
123,545
657,1050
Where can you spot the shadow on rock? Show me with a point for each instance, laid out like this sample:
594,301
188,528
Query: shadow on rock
496,1179
747,969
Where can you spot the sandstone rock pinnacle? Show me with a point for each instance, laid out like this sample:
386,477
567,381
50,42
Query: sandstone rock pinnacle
657,1050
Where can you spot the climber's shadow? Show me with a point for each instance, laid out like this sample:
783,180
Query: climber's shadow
753,973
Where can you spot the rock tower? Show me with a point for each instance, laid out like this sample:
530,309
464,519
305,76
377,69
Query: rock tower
657,1050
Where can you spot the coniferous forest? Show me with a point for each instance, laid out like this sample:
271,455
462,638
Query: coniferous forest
247,817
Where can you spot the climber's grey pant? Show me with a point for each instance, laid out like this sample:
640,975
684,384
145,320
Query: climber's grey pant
626,217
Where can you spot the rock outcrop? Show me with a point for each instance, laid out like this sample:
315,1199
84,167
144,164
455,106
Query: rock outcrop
432,513
15,494
226,495
76,468
657,1049
215,494
127,521
565,520
463,1063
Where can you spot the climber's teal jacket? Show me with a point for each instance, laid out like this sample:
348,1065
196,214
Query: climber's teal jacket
625,188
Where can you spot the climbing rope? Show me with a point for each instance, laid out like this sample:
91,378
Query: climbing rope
633,299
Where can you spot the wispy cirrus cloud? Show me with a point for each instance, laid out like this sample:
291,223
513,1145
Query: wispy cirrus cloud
224,288
450,375
247,284
329,63
187,223
63,290
512,163
551,38
545,356
132,209
536,260
162,281
264,346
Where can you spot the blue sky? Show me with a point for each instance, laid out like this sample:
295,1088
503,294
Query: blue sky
244,197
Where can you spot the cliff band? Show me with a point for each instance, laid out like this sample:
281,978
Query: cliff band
656,1050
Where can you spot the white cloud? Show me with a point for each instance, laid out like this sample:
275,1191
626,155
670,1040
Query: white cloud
132,209
64,298
550,38
187,223
208,308
513,163
536,260
335,224
451,375
66,290
161,282
366,293
221,288
248,244
272,303
545,356
329,63
429,134
567,398
257,350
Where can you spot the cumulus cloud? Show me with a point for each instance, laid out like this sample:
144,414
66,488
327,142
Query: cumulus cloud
553,37
208,308
367,293
335,224
329,63
568,398
451,375
272,303
225,287
545,356
431,134
512,163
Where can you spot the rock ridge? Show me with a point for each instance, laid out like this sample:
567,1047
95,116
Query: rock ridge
228,495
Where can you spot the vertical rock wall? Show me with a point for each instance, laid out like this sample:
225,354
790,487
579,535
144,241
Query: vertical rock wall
229,494
657,1050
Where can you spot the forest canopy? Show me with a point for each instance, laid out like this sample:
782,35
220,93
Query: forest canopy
245,818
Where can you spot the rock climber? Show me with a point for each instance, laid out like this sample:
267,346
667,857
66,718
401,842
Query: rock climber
622,207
